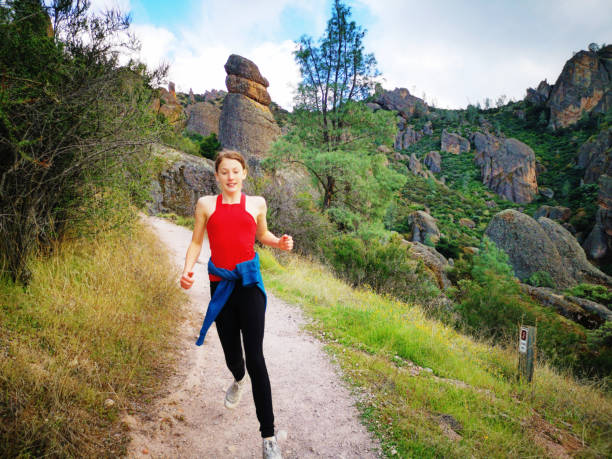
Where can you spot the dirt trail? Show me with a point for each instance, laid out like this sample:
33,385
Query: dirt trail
314,411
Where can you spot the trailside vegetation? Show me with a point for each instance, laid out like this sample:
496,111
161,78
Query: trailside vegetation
73,121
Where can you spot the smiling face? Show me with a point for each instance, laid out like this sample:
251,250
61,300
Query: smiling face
230,175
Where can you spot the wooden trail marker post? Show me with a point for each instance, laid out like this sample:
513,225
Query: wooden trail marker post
527,350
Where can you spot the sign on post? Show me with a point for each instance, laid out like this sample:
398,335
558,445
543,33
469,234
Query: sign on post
526,348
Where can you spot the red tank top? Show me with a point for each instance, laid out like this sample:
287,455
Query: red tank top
231,234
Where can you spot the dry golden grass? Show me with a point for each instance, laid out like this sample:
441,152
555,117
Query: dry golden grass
95,324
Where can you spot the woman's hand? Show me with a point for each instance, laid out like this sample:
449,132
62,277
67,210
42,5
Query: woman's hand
285,242
187,280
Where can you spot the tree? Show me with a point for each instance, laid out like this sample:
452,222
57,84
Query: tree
70,117
353,177
335,72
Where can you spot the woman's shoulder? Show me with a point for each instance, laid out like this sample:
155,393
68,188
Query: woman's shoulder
256,200
207,203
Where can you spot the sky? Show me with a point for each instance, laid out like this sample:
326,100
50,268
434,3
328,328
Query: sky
450,51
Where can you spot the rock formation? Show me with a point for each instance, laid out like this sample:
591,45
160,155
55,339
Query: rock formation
402,101
595,156
507,167
541,245
540,95
433,161
583,86
424,227
454,143
181,182
433,261
246,122
168,105
192,99
598,244
203,118
406,136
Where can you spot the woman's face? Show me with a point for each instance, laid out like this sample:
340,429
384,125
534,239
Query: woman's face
230,175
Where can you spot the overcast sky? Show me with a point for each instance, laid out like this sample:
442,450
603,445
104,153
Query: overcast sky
452,51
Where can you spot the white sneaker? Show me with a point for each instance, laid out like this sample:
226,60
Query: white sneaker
234,393
271,450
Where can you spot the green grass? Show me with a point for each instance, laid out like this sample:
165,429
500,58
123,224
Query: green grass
377,341
95,323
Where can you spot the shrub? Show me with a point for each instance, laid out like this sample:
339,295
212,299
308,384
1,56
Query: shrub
541,279
385,266
209,146
597,293
490,301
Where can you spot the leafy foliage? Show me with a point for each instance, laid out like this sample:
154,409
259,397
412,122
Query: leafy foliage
69,115
335,72
383,265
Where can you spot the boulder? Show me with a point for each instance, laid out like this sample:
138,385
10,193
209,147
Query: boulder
454,143
433,260
542,245
428,129
416,168
553,212
573,255
373,106
203,118
490,204
595,156
401,101
253,90
507,167
544,190
433,161
467,222
540,95
246,125
424,227
240,66
192,99
583,86
528,247
181,182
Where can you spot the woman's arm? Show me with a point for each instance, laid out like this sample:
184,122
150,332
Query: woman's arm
195,247
285,242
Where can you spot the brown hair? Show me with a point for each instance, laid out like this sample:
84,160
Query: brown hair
229,154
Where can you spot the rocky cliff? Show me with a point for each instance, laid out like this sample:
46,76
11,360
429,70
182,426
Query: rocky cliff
582,87
246,123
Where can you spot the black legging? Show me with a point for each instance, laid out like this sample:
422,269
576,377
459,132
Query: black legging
245,310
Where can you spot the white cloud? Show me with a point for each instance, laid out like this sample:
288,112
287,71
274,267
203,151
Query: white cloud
454,52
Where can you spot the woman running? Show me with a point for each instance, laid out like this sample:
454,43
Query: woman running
238,299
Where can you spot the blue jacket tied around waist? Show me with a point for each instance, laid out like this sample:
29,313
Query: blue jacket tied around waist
248,272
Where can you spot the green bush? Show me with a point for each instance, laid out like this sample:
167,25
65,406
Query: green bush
597,293
541,279
209,146
490,301
385,266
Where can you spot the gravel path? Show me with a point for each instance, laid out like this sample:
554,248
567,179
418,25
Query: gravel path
314,411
